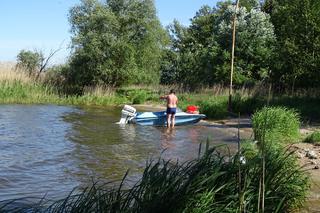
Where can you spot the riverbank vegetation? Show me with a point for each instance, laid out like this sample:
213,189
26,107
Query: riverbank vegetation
18,88
263,178
313,138
117,46
123,45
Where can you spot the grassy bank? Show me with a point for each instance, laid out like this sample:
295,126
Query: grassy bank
17,87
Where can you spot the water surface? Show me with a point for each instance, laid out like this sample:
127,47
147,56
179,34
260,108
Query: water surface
47,150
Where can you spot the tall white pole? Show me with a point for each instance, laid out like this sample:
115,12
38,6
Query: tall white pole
232,53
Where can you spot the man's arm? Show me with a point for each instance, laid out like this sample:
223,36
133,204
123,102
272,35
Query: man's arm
163,97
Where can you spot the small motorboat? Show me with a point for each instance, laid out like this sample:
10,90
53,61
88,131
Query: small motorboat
130,115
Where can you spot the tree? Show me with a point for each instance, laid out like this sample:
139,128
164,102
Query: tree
249,4
203,49
30,61
116,43
34,62
255,44
297,27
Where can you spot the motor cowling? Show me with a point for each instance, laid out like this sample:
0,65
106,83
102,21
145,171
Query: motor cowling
127,114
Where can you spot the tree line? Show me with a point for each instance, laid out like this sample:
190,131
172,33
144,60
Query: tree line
122,42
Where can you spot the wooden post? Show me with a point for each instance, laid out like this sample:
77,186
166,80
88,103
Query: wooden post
232,54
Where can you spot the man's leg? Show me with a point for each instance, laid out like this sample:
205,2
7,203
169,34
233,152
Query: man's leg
173,120
168,120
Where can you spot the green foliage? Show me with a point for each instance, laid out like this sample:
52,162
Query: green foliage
206,184
284,178
115,43
169,68
138,97
135,95
307,107
255,42
26,93
246,104
29,60
313,138
214,107
249,4
55,76
249,149
276,124
38,93
202,203
297,27
200,54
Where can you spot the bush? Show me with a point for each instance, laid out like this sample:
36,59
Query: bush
246,104
214,107
30,60
249,149
276,124
136,95
313,138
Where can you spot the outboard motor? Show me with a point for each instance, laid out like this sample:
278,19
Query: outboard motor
127,114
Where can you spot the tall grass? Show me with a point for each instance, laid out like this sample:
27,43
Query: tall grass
207,184
276,123
9,73
313,138
18,87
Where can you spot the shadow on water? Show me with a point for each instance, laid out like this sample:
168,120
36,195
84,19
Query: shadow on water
49,150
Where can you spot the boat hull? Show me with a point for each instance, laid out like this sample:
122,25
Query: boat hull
159,118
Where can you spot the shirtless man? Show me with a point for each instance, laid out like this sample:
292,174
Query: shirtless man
172,102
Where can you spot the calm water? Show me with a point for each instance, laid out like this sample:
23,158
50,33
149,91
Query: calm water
47,150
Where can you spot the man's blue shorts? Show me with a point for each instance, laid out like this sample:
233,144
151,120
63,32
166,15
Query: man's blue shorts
171,111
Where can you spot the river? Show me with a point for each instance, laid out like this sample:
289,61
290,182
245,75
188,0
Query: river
48,150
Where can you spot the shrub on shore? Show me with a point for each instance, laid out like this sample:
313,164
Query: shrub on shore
313,138
276,123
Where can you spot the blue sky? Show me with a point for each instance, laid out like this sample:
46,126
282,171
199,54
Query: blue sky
43,24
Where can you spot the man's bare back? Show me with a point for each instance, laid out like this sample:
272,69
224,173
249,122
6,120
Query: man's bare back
172,100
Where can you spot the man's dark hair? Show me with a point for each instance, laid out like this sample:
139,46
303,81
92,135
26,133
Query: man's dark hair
172,91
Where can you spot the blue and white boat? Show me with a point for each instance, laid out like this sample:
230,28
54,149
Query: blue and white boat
129,115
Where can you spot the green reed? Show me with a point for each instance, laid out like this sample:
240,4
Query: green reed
206,184
313,138
213,102
276,124
37,93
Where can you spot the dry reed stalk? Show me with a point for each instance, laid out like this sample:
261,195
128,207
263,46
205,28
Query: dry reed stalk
99,91
9,73
221,90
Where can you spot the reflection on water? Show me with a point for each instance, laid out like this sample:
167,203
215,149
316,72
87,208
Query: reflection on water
167,137
34,153
49,150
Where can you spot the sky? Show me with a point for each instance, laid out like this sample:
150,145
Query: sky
43,24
